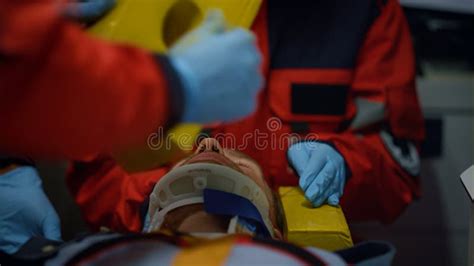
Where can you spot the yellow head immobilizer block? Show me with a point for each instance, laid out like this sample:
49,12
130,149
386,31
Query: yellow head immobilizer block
156,24
324,227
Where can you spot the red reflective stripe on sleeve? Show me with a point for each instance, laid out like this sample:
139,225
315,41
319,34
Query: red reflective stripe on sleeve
385,72
378,189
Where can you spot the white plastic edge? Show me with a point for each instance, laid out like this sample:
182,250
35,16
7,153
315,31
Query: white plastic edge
202,173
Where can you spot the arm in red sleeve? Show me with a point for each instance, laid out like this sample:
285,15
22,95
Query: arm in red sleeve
64,93
384,174
378,186
109,196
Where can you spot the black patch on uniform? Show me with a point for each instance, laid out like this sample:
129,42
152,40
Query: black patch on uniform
299,127
318,99
318,34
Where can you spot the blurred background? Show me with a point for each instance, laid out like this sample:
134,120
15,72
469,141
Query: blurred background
434,229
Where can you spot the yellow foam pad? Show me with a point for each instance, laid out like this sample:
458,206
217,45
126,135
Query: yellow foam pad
154,25
324,227
176,145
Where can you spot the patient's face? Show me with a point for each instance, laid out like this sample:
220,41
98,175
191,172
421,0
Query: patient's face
210,151
193,218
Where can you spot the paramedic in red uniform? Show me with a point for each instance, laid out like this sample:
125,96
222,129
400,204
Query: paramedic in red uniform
340,73
344,74
65,94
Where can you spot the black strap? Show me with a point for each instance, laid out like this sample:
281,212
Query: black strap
365,251
129,238
34,252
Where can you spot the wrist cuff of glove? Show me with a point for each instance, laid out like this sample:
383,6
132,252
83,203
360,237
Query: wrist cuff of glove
87,12
348,170
6,161
176,89
190,88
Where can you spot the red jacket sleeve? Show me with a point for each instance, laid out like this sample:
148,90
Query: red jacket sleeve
380,186
109,196
64,93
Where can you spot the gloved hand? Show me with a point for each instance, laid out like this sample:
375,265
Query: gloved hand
88,10
25,211
321,170
219,70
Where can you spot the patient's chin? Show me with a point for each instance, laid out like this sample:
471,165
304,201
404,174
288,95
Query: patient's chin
202,222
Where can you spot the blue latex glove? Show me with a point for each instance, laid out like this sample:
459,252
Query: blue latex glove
88,10
220,71
321,170
25,211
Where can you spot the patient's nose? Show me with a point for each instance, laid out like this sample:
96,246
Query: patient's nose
209,145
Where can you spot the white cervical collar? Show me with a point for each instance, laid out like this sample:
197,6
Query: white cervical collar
184,185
